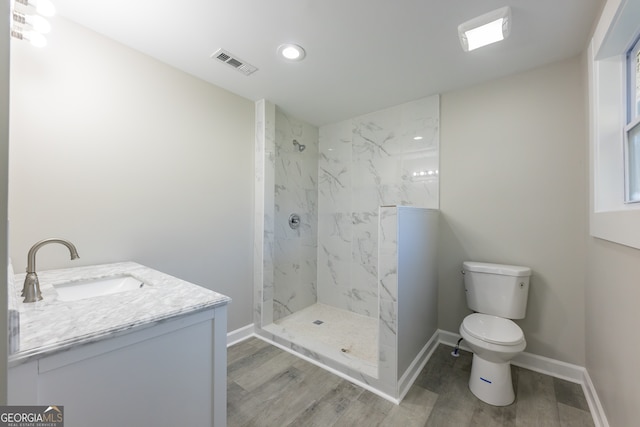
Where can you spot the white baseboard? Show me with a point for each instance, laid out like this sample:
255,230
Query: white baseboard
451,339
409,377
599,418
240,334
552,367
544,365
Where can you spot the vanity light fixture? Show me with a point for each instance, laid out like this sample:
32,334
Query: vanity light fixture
27,22
32,22
41,7
291,52
485,29
33,37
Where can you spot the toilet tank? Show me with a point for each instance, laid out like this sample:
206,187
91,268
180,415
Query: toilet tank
498,289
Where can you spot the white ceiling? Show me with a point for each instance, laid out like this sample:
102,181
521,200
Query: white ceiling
362,55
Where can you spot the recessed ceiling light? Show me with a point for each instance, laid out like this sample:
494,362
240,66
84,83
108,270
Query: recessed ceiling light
486,29
291,52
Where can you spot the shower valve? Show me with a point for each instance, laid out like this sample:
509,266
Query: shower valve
294,221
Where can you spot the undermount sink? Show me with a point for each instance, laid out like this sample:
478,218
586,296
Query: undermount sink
82,289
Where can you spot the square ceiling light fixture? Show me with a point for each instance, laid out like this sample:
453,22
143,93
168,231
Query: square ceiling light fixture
486,29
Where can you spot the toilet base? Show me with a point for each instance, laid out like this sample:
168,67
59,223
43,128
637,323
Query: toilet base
491,382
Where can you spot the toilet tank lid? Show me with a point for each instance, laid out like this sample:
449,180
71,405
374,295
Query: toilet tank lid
507,270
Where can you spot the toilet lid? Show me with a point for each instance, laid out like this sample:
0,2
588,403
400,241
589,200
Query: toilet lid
493,329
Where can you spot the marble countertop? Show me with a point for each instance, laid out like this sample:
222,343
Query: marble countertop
52,325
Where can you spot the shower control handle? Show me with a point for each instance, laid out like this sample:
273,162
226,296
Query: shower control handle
294,221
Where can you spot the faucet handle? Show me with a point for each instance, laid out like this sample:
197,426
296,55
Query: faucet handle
31,289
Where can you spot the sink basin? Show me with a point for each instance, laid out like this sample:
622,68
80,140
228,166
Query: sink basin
90,288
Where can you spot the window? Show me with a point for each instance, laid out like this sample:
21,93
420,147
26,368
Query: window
633,59
632,130
615,155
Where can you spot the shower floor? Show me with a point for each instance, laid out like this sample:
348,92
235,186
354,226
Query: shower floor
349,338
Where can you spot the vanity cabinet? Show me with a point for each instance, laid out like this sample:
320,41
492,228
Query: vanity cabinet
151,356
171,373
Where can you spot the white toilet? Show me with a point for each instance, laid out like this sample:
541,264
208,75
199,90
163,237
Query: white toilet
496,293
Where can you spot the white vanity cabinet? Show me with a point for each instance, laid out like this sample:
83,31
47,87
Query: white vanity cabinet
163,373
169,375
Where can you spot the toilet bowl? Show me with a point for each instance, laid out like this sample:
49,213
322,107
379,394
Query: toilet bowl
496,339
497,293
494,342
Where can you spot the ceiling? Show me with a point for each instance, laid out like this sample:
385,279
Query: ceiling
362,55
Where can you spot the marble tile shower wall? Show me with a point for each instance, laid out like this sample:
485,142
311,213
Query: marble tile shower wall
388,301
296,192
264,160
389,157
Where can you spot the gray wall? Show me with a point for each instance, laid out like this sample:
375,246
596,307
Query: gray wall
612,324
130,159
417,283
514,190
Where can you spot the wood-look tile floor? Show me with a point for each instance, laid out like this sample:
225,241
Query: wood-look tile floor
272,388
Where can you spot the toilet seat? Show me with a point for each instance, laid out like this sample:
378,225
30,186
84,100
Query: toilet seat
493,329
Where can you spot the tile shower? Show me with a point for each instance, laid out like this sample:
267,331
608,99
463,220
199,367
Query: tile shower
345,235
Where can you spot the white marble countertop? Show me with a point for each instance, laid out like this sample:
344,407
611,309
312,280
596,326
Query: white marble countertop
52,325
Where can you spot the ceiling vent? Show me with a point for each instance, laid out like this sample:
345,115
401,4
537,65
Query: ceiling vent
233,61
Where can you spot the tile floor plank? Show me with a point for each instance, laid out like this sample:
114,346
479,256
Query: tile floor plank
368,410
251,361
456,404
269,400
487,415
570,394
573,417
330,407
268,387
250,379
535,400
414,410
241,406
245,348
312,382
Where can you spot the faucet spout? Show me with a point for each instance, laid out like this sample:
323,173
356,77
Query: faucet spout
31,289
31,256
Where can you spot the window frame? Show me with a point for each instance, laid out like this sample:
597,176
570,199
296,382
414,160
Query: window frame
631,163
610,218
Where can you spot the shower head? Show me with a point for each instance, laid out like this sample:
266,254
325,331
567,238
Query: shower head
299,146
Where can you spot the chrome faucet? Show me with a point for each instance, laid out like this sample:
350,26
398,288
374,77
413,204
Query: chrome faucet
31,289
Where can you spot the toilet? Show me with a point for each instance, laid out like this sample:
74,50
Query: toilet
496,293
